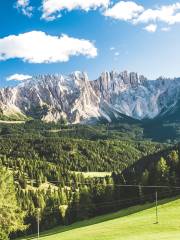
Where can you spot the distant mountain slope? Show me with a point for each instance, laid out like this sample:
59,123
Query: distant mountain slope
112,97
159,168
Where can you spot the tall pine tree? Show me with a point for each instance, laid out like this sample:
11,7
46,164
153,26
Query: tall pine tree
11,216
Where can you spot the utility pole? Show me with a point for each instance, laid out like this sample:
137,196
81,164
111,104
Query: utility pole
38,220
157,208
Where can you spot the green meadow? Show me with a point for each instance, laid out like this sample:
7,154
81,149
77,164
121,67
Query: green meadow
134,223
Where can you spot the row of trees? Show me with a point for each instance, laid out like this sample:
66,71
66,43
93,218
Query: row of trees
78,155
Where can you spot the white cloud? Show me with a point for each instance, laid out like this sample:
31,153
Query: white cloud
137,14
116,54
124,10
168,14
24,6
38,47
18,77
112,48
51,8
151,28
165,29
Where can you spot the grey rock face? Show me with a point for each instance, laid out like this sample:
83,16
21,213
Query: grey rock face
77,99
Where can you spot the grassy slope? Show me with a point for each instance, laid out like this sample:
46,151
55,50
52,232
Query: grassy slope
135,223
94,174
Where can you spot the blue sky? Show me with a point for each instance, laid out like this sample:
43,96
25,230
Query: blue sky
103,37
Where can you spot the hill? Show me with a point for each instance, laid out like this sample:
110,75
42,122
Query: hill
134,223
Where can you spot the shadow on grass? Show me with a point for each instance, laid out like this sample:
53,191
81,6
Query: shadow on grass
100,219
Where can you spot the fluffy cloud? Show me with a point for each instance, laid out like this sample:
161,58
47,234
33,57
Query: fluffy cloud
168,14
52,8
151,28
24,6
38,47
124,11
137,14
18,77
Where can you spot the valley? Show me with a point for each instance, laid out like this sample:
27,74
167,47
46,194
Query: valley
89,120
73,172
68,165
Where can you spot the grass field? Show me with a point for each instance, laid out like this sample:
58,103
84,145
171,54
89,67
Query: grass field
11,122
94,174
135,223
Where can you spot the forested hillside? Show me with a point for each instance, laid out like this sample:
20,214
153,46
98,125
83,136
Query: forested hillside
158,168
49,162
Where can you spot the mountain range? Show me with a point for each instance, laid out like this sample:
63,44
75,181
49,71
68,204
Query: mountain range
112,97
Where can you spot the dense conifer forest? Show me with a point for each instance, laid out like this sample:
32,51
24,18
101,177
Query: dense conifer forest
49,165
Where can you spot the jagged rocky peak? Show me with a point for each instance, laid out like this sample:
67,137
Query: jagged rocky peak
127,78
74,76
76,98
132,78
79,75
116,82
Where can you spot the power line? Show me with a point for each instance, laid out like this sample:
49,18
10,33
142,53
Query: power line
106,204
103,204
110,203
107,184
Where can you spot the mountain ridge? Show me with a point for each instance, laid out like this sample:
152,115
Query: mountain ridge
74,97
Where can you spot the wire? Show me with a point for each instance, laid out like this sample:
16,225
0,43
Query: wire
107,204
117,185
